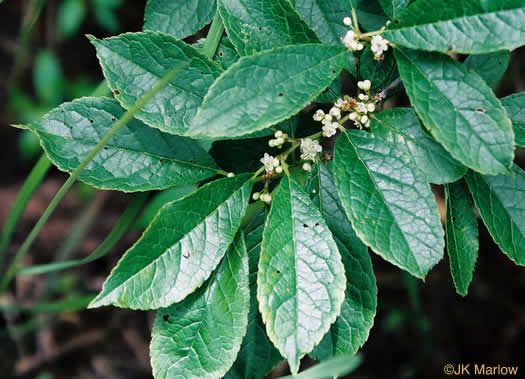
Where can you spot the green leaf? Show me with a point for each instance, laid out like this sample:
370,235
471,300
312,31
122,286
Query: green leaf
158,201
254,25
459,109
499,200
401,127
257,356
515,106
379,73
71,15
288,78
350,330
134,62
180,18
201,336
490,67
463,26
180,248
392,8
137,158
226,55
300,282
369,14
330,94
333,368
325,17
462,235
388,202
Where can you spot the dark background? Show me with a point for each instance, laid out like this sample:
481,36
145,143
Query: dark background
419,327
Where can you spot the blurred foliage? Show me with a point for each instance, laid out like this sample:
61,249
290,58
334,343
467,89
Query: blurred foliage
50,85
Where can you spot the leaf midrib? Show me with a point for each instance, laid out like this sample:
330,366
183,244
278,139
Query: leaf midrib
160,158
438,128
452,20
450,217
257,94
384,202
170,83
183,234
414,140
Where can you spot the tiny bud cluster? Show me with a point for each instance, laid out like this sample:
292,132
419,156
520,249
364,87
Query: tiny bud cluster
359,109
351,41
265,197
280,139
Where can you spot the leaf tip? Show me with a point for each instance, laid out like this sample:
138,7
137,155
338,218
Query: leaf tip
21,126
91,38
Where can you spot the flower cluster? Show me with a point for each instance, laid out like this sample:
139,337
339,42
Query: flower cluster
363,107
329,121
359,109
379,46
355,42
280,139
309,150
271,164
351,41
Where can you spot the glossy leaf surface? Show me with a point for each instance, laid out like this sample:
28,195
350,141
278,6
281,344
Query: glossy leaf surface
401,127
459,109
462,235
134,62
300,282
137,158
263,89
180,248
388,202
201,336
499,200
463,26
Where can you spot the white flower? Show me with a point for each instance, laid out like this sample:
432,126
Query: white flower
364,85
279,169
350,41
335,112
362,96
278,134
339,103
319,115
269,162
364,119
330,129
371,107
327,119
266,197
349,38
307,167
309,149
379,45
256,196
353,116
347,21
361,108
367,124
230,175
